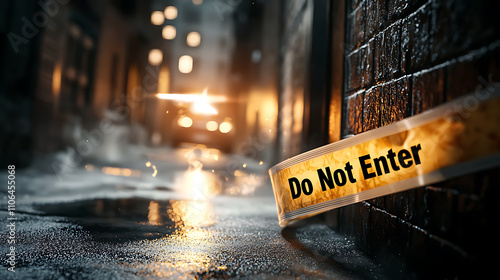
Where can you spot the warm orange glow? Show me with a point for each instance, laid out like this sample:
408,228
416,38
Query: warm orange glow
157,18
56,80
212,126
185,121
197,2
171,12
126,172
298,115
225,127
193,39
191,214
155,57
164,79
185,64
188,98
169,32
154,217
115,171
201,106
155,172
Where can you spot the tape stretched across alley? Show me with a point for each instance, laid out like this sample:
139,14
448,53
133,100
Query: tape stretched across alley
459,137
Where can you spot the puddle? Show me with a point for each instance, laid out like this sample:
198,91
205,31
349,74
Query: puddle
122,220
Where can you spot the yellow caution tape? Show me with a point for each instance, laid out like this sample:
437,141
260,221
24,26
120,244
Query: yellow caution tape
459,137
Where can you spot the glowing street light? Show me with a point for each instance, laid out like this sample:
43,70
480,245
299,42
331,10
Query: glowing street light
155,57
193,39
185,64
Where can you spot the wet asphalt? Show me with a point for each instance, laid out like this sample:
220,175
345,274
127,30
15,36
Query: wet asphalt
158,235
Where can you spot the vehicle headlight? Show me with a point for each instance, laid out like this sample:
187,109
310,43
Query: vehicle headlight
185,121
225,127
212,126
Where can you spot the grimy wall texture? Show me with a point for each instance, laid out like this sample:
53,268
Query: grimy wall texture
402,58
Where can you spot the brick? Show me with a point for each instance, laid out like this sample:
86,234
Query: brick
440,212
418,248
354,114
395,101
493,74
401,108
463,76
382,227
420,210
405,47
416,43
387,53
352,65
401,204
356,27
361,223
428,90
392,49
386,103
398,247
459,26
397,8
366,59
446,260
355,3
378,202
462,184
346,217
376,17
371,106
379,59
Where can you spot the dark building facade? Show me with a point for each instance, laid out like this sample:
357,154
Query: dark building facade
383,61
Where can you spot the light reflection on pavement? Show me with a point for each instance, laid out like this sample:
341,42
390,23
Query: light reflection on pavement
200,223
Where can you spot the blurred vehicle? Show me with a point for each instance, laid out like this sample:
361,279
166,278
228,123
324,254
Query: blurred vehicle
214,131
202,123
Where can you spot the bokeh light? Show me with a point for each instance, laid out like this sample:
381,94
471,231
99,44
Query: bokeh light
169,32
157,18
171,12
193,39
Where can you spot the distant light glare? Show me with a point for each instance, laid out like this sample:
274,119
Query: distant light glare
185,64
157,18
187,97
169,32
155,57
197,2
193,39
171,12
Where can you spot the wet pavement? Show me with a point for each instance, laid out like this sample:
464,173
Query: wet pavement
189,221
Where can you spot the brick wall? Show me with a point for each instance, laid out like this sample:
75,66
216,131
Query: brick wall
402,58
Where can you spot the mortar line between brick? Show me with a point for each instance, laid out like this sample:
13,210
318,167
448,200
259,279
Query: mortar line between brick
355,94
388,82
